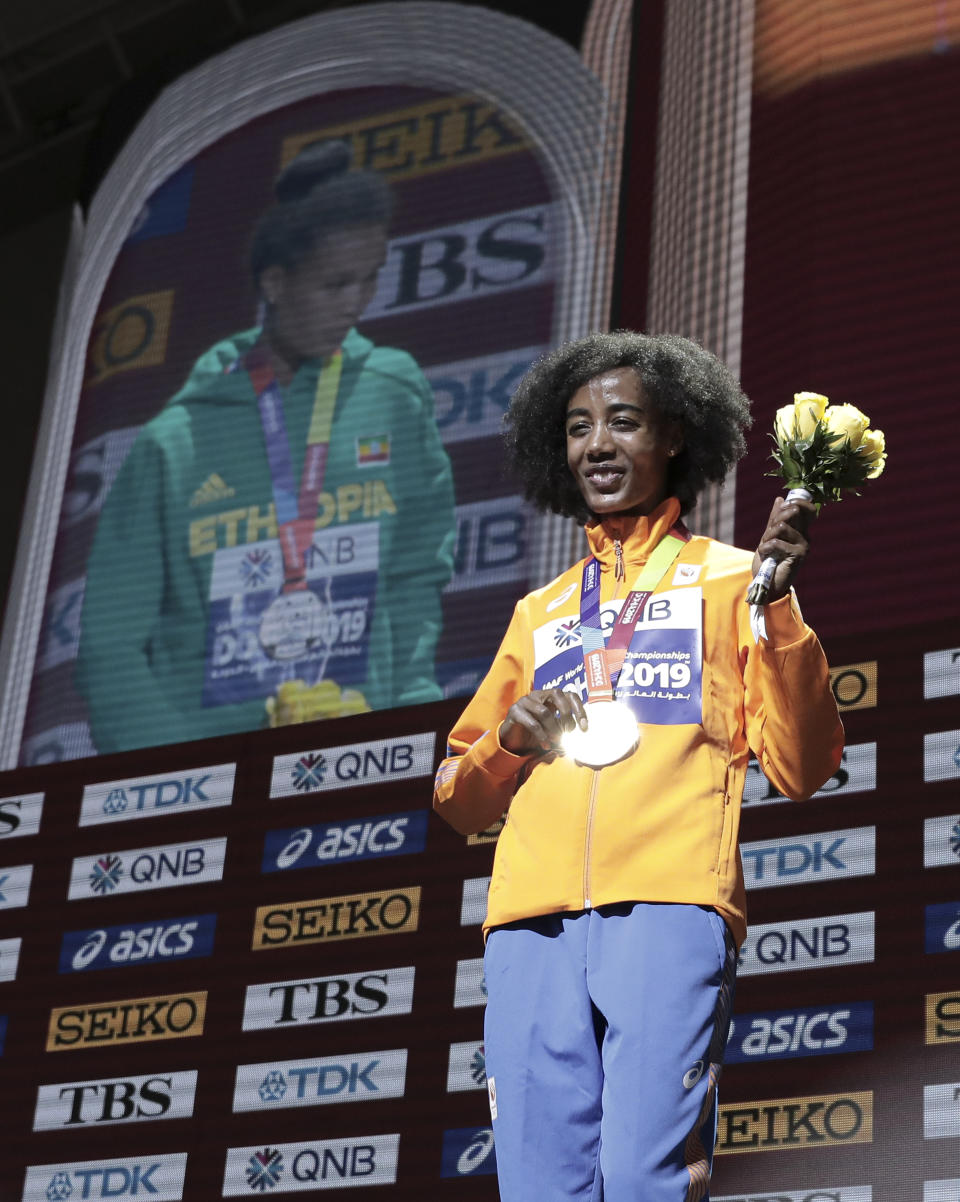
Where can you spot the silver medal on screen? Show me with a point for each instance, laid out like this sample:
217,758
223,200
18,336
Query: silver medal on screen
293,624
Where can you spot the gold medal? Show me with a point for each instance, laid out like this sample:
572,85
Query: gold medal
612,734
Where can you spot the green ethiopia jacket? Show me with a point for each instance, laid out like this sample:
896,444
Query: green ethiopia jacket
168,647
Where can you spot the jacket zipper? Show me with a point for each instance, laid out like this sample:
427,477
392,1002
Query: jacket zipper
591,805
619,573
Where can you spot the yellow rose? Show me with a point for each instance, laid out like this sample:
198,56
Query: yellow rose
290,703
323,700
296,701
848,421
873,449
799,420
783,424
808,408
352,701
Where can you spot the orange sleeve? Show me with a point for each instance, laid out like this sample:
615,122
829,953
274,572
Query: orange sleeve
793,725
475,783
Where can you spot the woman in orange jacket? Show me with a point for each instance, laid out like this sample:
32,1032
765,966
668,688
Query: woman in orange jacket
614,730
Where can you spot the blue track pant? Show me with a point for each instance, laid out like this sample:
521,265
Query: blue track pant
604,1036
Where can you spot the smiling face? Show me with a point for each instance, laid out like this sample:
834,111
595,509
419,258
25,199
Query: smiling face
619,446
313,305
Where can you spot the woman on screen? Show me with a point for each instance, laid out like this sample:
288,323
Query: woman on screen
275,545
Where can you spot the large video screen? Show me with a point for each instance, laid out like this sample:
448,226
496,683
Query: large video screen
285,498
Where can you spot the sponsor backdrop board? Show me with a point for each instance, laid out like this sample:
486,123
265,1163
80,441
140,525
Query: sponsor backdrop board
231,979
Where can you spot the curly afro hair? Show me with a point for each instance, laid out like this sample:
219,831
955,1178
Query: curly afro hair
684,381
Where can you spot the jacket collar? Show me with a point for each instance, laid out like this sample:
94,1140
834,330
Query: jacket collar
637,535
354,346
213,378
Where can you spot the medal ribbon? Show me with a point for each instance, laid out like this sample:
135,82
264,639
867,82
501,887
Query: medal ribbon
296,514
602,658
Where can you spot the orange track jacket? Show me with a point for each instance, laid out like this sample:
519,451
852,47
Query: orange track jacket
661,825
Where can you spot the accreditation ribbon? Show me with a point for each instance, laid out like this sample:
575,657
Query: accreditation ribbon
612,731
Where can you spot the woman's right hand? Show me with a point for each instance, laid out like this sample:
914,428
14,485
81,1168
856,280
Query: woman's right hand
534,724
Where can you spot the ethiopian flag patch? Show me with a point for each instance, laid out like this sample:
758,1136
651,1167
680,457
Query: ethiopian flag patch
373,449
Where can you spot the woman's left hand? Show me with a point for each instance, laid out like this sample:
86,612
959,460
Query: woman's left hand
785,538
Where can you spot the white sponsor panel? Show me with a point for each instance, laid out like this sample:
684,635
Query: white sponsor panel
471,395
470,988
159,1178
332,553
492,543
141,868
150,796
800,859
66,741
680,609
941,674
349,1077
857,774
941,755
328,999
466,1067
312,1165
20,815
821,1193
473,905
941,841
112,1100
351,764
60,634
93,469
15,886
808,943
9,958
941,1111
945,1189
459,262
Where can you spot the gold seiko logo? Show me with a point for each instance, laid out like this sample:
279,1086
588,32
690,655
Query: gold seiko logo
423,138
855,685
779,1123
131,1020
131,335
943,1017
323,919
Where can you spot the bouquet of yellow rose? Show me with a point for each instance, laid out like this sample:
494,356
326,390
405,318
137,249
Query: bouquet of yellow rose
822,451
296,701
